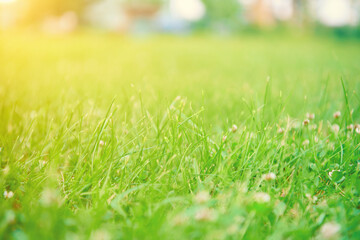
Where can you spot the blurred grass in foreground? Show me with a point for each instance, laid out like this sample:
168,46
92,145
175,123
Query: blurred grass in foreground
95,142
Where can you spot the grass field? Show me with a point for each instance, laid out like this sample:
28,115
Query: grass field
110,137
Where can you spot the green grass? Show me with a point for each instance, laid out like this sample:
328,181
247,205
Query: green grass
96,144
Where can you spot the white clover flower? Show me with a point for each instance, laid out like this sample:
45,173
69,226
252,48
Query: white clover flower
335,128
310,116
280,131
311,198
330,230
357,130
234,128
202,197
306,142
269,176
262,197
306,122
337,114
332,171
9,194
350,127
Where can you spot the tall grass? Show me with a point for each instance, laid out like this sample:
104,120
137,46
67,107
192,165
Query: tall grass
108,137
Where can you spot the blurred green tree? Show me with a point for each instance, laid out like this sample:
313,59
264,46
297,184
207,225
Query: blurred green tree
222,11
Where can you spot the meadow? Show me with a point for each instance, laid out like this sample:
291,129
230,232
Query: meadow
195,137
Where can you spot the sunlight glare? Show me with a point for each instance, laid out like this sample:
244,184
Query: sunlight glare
190,10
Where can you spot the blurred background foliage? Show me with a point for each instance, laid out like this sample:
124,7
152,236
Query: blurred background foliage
336,17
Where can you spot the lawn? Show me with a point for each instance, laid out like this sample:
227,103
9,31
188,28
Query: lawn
113,137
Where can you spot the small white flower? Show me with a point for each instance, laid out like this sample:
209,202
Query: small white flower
311,198
101,143
306,122
269,176
202,197
234,128
9,194
357,130
350,127
280,131
330,230
306,142
331,172
310,116
262,197
337,114
335,128
224,138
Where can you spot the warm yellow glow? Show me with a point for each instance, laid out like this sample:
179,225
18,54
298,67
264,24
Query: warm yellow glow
7,1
